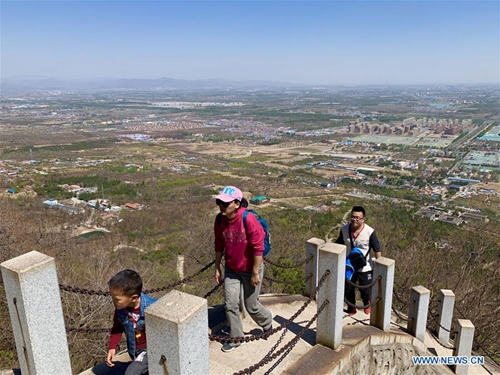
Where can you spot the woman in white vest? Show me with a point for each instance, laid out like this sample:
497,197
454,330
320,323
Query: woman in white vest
360,235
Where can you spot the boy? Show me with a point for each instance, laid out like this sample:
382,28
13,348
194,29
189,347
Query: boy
130,303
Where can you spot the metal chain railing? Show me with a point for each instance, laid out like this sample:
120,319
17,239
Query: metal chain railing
180,282
399,298
477,331
88,330
297,264
404,303
435,320
398,314
452,332
370,304
431,332
283,351
224,339
107,330
289,281
73,289
350,283
213,290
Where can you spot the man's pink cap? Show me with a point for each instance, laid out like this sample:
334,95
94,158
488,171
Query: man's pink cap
229,194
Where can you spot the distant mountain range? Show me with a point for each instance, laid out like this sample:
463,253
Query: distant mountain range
27,83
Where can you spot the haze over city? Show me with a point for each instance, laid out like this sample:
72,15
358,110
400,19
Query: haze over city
305,42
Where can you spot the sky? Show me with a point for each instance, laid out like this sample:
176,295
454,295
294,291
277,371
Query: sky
308,42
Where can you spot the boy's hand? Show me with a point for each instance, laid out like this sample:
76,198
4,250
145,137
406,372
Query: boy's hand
109,358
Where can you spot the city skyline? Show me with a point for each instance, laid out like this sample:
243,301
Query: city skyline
305,42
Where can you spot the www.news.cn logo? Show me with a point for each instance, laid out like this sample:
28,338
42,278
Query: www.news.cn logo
448,360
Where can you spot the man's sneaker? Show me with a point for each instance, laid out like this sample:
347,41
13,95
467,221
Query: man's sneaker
266,331
368,310
228,346
351,311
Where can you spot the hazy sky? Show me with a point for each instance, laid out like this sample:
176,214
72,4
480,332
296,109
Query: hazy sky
312,42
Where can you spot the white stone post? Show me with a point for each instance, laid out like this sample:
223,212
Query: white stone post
380,316
446,300
312,249
36,314
463,344
177,335
419,306
180,266
329,323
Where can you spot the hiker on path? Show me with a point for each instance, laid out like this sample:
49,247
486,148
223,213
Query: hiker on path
360,235
242,249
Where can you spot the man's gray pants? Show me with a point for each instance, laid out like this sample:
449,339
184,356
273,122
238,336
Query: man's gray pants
139,366
232,286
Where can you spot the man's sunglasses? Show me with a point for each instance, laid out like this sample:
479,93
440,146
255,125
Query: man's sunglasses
218,202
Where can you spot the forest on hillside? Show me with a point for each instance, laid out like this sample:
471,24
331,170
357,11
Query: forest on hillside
178,219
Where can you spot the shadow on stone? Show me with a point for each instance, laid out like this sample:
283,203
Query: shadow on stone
309,335
432,350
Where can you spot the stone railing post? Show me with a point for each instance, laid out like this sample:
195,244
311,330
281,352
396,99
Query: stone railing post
329,323
177,335
419,306
36,314
312,249
463,344
380,316
180,266
446,300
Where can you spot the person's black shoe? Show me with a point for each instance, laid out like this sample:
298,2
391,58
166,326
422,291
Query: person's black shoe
229,346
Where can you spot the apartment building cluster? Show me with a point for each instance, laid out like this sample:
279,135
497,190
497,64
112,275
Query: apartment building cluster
367,127
448,127
410,127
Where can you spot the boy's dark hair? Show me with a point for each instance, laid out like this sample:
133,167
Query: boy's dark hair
358,209
127,281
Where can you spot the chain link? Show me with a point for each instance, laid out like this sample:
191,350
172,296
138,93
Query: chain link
370,304
297,264
88,330
399,298
224,339
477,331
285,350
213,290
77,290
289,281
74,289
398,314
180,282
431,332
349,282
437,322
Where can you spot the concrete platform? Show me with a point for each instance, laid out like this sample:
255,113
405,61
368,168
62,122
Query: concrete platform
307,357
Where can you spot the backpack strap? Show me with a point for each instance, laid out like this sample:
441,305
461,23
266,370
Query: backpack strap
352,243
245,214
